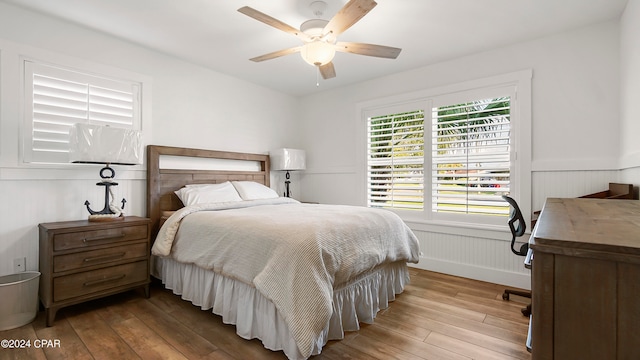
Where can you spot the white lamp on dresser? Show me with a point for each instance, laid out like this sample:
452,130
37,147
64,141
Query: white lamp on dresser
105,145
288,160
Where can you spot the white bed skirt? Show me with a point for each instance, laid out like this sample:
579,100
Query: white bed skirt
256,317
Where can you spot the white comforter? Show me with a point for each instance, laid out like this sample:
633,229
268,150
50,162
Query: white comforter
293,253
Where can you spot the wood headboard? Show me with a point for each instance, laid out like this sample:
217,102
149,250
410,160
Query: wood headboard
161,183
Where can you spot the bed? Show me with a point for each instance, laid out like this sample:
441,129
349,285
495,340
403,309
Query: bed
293,275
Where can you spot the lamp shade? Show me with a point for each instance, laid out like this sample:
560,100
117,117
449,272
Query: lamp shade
95,144
288,159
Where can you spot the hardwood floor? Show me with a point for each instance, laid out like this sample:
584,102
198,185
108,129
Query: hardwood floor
437,317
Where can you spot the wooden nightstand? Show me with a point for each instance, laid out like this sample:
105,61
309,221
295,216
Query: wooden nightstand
82,260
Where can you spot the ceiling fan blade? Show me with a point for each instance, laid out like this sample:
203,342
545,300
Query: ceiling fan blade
276,54
368,49
353,11
264,18
327,71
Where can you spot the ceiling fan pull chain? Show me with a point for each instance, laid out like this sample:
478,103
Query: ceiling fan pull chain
317,76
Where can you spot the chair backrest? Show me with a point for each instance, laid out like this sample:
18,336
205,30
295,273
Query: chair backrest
516,222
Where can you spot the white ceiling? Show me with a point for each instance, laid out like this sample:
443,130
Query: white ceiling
213,34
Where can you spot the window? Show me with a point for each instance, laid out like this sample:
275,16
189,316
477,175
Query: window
57,98
449,156
470,157
396,160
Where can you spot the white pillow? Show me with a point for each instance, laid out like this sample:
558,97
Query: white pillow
209,193
251,190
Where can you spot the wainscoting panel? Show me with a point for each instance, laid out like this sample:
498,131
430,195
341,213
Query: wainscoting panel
478,258
26,203
569,184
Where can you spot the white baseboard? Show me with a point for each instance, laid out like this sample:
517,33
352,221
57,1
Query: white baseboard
518,280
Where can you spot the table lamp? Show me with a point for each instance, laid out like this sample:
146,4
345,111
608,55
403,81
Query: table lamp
287,160
95,144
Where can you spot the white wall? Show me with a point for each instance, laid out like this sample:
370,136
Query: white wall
630,85
576,131
191,106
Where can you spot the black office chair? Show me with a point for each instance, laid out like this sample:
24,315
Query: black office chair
517,225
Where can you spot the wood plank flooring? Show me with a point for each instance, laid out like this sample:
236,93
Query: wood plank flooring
437,317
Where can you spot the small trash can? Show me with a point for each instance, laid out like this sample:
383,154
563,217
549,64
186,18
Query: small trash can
19,298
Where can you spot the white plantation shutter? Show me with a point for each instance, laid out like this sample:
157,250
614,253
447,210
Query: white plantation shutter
470,157
447,155
467,165
396,160
56,98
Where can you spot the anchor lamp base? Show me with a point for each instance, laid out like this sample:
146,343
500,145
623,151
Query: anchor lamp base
107,213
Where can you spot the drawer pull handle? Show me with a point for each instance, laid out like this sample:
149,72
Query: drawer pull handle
98,238
105,257
102,281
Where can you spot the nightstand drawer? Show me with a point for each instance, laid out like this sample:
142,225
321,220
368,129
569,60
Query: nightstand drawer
70,286
96,257
98,237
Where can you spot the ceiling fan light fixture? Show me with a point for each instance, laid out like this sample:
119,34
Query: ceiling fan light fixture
317,53
319,36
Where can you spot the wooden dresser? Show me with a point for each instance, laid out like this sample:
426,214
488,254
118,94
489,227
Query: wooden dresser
82,260
586,280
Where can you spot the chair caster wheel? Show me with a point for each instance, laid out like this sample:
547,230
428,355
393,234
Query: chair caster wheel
505,296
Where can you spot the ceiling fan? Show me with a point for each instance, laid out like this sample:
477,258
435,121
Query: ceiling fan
320,36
